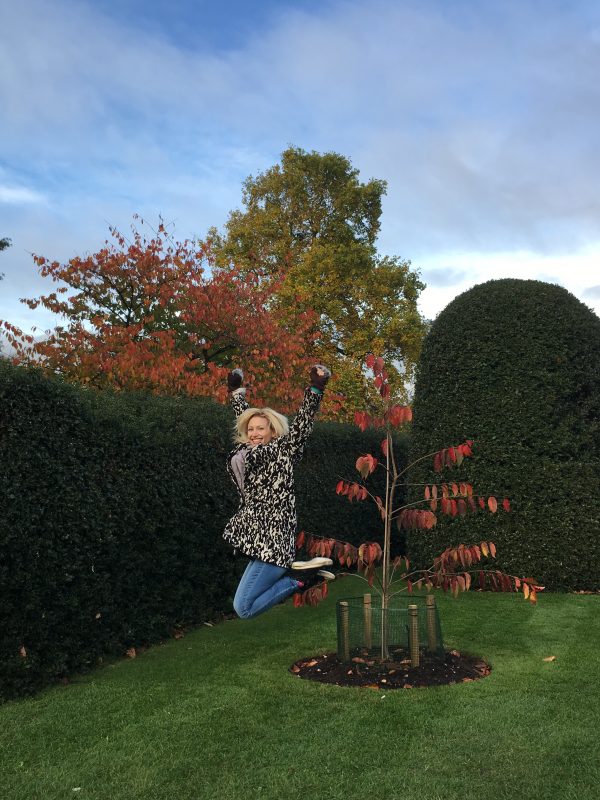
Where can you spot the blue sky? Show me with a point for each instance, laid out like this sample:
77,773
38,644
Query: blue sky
483,118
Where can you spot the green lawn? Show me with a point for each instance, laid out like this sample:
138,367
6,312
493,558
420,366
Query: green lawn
217,715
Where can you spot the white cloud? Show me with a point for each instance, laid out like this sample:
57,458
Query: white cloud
20,195
576,272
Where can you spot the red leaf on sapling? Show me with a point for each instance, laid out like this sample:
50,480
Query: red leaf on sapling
362,419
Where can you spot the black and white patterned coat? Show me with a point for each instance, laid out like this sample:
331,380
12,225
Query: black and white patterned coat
264,526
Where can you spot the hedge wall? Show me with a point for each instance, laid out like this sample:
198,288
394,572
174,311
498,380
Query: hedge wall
515,365
112,508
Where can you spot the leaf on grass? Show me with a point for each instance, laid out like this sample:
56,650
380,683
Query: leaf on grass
549,658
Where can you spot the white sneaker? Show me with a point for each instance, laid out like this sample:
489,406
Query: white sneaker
314,563
326,575
308,581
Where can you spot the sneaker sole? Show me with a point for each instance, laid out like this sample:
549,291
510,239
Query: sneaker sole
314,563
326,575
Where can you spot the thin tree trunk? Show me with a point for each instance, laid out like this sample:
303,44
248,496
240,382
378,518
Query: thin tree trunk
386,560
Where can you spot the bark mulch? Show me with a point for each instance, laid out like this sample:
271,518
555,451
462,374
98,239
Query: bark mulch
363,670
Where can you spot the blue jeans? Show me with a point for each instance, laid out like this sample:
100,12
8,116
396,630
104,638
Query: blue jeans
261,587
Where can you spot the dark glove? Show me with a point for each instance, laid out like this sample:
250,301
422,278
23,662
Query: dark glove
319,381
234,380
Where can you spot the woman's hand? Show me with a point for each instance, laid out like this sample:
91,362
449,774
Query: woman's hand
319,375
234,380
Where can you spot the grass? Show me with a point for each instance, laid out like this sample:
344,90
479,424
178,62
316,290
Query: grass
217,715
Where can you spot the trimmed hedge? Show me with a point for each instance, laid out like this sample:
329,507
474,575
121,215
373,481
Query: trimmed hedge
515,365
112,508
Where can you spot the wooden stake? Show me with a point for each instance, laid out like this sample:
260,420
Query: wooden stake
344,653
368,615
431,628
413,634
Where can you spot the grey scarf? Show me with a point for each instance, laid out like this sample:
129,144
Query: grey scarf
238,465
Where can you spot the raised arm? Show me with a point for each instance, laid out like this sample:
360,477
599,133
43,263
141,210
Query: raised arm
303,423
237,393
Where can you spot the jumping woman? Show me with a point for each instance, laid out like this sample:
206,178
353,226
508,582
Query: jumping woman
264,526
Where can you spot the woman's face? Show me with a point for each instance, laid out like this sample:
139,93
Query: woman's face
259,431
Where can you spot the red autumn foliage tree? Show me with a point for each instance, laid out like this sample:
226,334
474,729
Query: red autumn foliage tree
454,569
158,315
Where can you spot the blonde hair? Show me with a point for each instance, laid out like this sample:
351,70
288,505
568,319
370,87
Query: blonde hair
277,422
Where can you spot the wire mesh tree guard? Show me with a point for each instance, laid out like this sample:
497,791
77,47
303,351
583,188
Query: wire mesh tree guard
399,631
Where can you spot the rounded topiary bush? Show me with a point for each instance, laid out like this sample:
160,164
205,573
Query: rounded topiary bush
515,366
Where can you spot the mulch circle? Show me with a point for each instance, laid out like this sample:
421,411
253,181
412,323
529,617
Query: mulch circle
362,670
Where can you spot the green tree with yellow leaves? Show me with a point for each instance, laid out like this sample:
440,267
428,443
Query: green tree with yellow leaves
311,220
